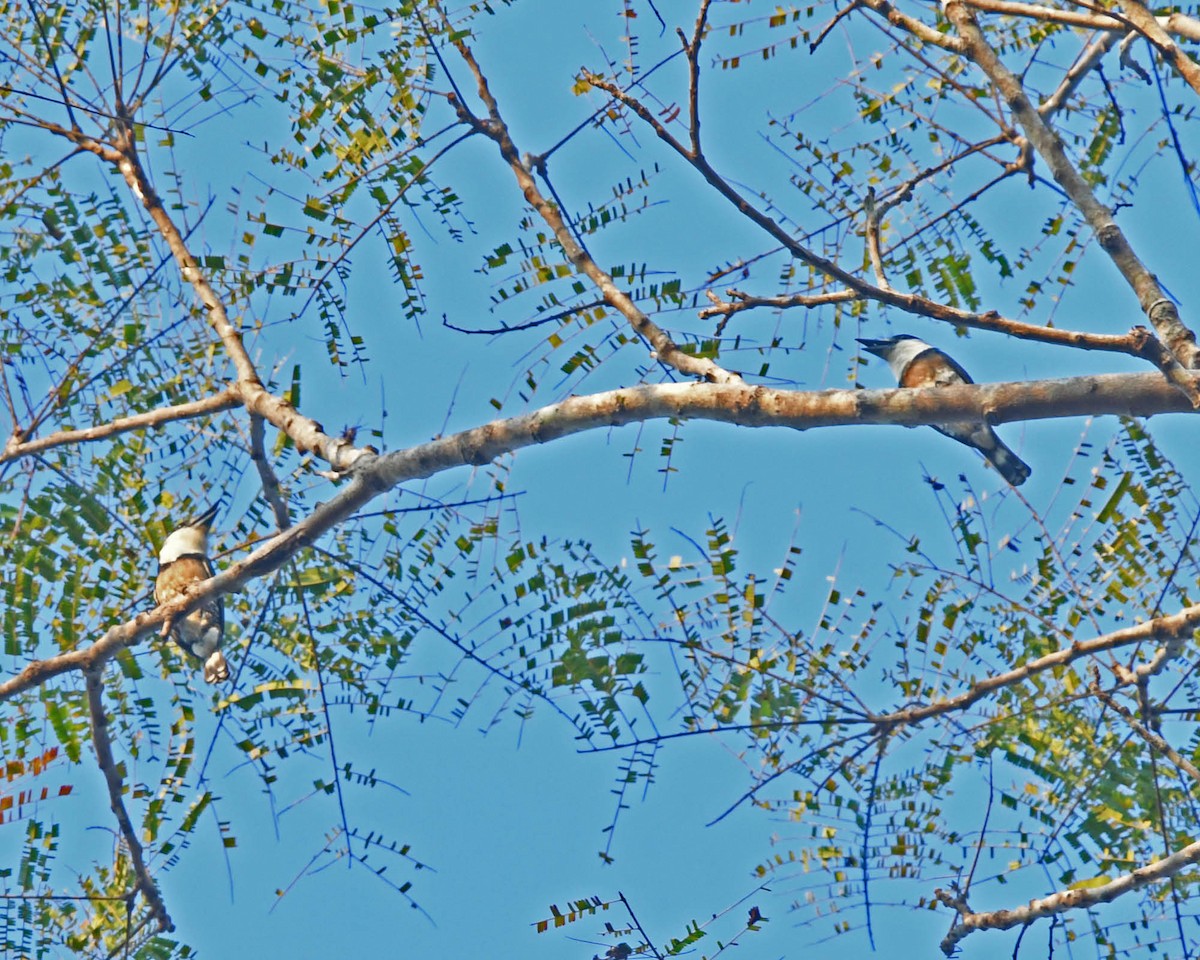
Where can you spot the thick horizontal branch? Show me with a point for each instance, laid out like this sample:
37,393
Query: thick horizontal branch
1139,394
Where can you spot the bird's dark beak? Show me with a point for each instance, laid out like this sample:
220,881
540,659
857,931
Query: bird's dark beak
877,347
205,519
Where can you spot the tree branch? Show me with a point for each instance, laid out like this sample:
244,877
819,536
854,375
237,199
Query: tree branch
1153,299
1131,394
1172,629
19,445
968,922
307,433
1159,310
1091,19
665,349
1148,26
112,776
266,473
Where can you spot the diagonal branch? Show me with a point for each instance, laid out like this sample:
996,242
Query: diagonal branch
1155,304
266,473
113,777
968,921
1171,629
495,129
19,445
307,433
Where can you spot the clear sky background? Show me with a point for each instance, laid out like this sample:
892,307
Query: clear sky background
511,819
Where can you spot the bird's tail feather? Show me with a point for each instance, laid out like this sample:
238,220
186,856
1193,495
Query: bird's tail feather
1012,468
216,670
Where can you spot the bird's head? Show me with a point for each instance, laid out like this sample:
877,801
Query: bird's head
898,351
191,538
883,347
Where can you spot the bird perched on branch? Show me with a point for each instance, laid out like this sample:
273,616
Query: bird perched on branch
916,364
183,561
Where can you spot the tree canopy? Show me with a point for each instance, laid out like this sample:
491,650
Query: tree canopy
331,266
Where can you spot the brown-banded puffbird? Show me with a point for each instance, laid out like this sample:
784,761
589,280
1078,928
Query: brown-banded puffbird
182,561
916,364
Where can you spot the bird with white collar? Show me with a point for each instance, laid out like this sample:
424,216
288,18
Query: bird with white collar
917,364
183,561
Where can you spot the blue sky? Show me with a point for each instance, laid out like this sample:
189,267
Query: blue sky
511,820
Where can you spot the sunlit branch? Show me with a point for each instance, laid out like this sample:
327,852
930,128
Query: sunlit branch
375,474
1160,310
968,921
1149,26
914,26
665,349
18,446
306,433
1090,17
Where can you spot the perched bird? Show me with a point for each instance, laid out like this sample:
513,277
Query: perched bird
916,364
182,561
